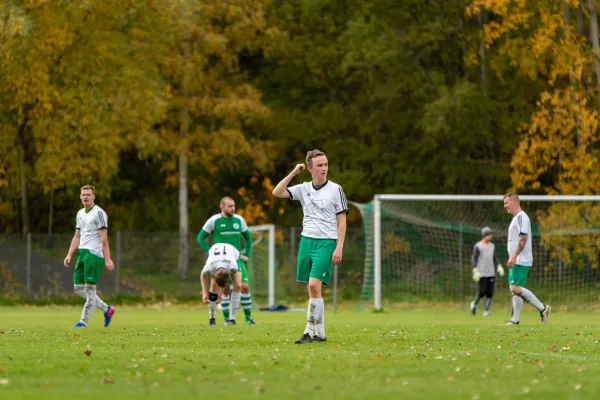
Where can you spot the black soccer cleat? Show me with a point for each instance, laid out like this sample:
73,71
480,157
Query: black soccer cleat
212,322
318,339
304,339
230,322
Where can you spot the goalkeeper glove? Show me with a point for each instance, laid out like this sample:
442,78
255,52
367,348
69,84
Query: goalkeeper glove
476,275
500,270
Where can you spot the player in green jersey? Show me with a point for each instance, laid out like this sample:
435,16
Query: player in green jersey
229,227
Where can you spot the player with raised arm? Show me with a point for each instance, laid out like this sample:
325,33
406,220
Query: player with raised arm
483,260
520,260
229,227
91,238
221,265
323,233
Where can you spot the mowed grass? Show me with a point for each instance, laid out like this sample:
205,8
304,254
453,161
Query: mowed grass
160,353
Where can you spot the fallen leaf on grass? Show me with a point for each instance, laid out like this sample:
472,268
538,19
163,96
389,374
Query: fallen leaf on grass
160,370
3,381
108,380
88,352
565,348
450,378
554,347
578,386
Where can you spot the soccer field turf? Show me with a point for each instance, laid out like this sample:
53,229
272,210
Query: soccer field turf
154,353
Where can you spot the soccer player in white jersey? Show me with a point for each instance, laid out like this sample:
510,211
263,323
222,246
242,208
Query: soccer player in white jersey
221,265
520,260
323,233
91,238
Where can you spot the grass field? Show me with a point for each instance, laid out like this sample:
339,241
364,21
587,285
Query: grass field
159,353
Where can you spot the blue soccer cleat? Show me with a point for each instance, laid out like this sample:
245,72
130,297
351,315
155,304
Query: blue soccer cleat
108,315
79,325
250,321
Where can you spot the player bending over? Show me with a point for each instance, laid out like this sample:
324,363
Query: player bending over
221,265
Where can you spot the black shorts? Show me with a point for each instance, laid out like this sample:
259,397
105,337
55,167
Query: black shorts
486,286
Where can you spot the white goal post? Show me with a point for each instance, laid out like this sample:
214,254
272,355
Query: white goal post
377,221
270,230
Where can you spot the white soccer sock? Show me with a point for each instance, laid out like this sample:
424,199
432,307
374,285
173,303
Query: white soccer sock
90,301
517,304
80,291
531,299
212,307
235,304
311,316
320,322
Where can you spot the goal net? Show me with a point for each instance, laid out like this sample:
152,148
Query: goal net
418,247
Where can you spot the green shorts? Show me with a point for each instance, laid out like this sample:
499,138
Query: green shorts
517,275
243,270
314,259
87,268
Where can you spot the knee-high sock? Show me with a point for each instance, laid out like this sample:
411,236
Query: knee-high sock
80,291
90,302
320,322
225,306
517,304
246,302
477,298
311,316
235,304
531,299
212,307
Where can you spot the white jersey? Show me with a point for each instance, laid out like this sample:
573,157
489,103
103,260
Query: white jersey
221,255
89,223
321,207
520,224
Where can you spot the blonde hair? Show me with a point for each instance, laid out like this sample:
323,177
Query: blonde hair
312,154
512,195
88,187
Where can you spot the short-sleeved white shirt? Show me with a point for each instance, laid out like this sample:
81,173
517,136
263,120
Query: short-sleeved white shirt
321,207
520,224
221,255
89,223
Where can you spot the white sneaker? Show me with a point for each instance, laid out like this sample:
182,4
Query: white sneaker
486,313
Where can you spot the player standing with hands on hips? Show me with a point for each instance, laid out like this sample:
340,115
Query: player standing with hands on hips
520,260
323,232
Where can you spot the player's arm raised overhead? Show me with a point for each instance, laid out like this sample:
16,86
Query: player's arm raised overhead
281,188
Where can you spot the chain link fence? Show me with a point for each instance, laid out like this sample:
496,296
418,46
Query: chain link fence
31,267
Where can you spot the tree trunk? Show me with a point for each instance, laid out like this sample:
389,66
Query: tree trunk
595,44
24,205
183,212
183,170
51,212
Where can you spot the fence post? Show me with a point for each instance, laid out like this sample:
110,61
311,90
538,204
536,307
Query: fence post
28,265
118,264
335,287
460,259
292,280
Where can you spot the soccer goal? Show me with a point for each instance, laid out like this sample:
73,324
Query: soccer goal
261,269
418,247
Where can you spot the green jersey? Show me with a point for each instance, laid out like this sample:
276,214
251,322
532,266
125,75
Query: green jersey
226,230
